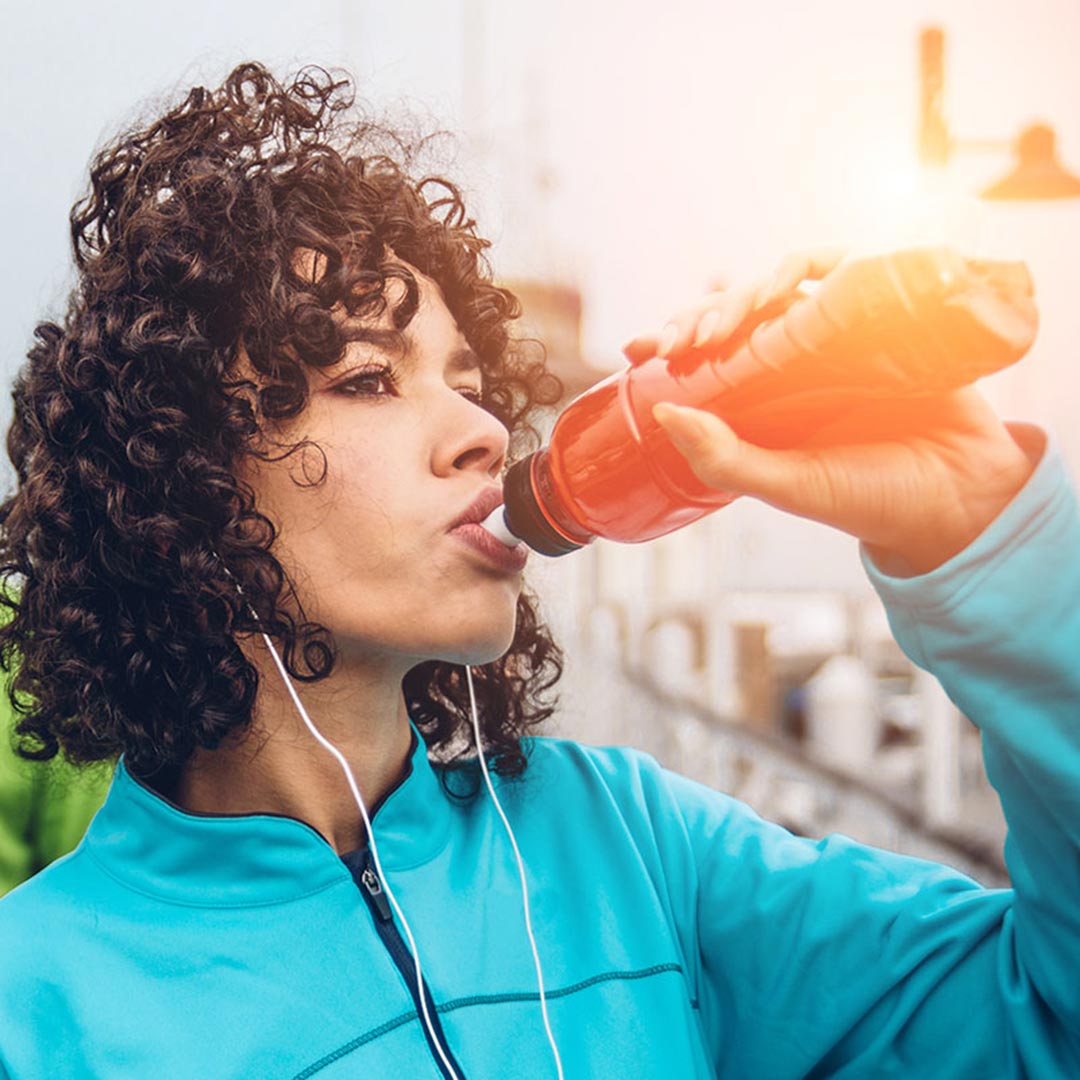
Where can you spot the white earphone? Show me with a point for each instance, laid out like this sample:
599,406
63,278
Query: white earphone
436,1042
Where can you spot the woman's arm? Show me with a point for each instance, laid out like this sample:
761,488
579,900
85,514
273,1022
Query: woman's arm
999,625
828,958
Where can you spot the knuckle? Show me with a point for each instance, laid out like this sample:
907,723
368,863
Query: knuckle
710,462
821,485
792,263
709,470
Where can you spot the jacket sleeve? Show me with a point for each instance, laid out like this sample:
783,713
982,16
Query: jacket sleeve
829,958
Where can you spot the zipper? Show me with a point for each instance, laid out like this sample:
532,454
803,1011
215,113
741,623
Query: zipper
362,868
371,882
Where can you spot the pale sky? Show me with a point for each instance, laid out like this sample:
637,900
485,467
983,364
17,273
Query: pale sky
679,141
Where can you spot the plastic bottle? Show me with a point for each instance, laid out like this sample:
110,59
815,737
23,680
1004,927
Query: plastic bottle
906,324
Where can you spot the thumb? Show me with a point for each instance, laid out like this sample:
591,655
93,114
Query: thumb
721,460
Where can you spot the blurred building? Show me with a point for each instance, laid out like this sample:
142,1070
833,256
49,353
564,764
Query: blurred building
749,652
551,316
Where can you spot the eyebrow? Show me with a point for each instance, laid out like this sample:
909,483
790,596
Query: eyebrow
462,359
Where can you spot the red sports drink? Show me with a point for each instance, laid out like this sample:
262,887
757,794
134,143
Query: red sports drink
907,324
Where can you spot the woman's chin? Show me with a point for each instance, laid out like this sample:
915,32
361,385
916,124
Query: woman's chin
477,654
479,649
474,645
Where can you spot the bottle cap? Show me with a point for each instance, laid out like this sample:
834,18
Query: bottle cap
525,518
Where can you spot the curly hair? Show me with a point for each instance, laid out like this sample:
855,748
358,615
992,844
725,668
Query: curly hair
130,419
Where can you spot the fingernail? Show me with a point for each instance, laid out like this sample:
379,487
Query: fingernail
667,339
662,411
682,414
769,292
706,327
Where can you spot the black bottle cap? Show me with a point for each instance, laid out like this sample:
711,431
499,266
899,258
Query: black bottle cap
523,515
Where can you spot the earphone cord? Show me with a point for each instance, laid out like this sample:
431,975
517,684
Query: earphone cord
521,871
436,1042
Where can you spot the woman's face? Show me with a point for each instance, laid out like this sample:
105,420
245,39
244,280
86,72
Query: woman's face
408,450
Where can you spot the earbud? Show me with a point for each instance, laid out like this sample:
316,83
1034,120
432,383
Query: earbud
232,577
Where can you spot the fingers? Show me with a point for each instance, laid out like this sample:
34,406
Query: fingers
791,480
719,313
722,319
727,308
800,266
741,306
641,348
676,334
711,320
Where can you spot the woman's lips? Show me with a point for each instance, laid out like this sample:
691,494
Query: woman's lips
479,539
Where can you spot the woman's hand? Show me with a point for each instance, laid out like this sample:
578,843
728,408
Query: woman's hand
918,478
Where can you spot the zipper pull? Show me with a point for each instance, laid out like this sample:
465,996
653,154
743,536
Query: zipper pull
375,891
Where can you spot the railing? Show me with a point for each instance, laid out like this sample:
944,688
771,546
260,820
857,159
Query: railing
658,674
778,780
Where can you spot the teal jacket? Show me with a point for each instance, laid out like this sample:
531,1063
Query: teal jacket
681,935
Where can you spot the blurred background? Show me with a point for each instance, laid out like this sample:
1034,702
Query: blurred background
624,157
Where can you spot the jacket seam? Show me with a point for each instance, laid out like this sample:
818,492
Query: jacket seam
534,995
483,999
355,1044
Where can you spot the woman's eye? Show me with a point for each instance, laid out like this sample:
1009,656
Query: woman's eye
382,383
368,383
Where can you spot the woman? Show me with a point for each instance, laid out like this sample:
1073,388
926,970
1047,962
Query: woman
251,465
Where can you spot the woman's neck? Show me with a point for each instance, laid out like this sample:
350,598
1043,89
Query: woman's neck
279,767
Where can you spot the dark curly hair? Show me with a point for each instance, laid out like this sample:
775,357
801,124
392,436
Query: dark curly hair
130,418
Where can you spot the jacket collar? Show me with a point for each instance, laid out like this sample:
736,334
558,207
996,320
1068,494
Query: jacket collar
154,846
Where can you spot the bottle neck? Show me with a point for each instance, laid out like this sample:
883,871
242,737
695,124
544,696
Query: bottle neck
534,510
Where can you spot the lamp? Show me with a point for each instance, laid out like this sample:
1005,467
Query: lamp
1037,175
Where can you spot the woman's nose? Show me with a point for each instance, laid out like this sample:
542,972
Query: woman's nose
474,439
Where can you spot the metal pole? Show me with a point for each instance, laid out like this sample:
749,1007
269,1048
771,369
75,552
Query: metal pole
933,134
941,750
